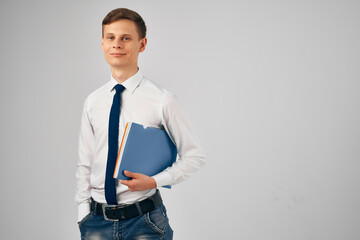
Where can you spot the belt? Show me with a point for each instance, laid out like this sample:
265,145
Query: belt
126,211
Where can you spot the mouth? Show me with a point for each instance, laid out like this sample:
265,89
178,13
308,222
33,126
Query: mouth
117,54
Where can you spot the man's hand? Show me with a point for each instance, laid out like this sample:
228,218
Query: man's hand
138,181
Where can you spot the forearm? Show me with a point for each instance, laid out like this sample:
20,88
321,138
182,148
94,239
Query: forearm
191,156
181,170
84,163
82,197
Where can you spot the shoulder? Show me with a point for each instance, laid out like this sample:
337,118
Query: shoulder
153,89
96,95
167,97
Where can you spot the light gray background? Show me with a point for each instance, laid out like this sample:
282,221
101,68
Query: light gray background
272,88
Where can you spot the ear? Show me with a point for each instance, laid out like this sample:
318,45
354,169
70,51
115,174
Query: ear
143,43
102,43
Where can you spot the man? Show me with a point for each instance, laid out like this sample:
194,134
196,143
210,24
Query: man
131,209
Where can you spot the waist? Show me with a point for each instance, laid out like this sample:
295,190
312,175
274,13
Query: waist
126,211
124,196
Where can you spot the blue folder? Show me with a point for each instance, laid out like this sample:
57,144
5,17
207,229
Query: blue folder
144,150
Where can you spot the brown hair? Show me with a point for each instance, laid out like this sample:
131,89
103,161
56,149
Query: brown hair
124,13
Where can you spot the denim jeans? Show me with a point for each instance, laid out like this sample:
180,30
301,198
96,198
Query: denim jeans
151,226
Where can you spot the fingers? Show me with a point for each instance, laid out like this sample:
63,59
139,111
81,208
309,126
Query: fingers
130,174
138,181
131,184
126,182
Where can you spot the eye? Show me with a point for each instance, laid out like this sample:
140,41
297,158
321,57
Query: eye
110,37
126,38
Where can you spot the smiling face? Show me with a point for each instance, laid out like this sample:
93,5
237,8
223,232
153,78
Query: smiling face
121,44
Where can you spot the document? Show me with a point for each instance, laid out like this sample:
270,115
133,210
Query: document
144,150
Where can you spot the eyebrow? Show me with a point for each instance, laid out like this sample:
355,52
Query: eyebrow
125,34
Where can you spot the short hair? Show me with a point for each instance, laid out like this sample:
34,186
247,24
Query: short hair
124,13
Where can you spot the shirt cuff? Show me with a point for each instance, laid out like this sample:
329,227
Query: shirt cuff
83,210
162,179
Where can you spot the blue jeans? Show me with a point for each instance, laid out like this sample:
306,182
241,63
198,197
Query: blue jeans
152,226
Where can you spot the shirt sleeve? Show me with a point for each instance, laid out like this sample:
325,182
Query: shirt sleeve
191,156
86,154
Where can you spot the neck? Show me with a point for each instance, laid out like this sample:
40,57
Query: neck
121,75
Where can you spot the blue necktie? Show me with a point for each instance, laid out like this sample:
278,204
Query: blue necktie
110,192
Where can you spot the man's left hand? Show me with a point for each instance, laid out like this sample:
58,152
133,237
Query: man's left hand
138,181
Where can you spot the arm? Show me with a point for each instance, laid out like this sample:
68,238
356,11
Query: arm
191,155
86,154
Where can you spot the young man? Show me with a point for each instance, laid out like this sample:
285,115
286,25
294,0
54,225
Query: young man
131,209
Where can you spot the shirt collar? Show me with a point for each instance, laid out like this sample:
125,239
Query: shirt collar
130,83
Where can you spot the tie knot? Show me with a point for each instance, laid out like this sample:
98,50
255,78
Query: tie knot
119,88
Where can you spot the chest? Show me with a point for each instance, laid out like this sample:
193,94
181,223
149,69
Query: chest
142,110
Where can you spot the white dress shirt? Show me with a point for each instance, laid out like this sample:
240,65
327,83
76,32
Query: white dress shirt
144,103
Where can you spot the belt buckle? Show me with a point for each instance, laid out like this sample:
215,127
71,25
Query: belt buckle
106,206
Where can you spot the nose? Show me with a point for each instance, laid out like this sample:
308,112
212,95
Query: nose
117,44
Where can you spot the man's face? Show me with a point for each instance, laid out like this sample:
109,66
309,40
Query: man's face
121,44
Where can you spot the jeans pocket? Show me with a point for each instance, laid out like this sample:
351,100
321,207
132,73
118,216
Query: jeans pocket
85,220
157,220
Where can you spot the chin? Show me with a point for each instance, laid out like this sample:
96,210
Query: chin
118,63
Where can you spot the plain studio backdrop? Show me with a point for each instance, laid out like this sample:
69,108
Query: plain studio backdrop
271,87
